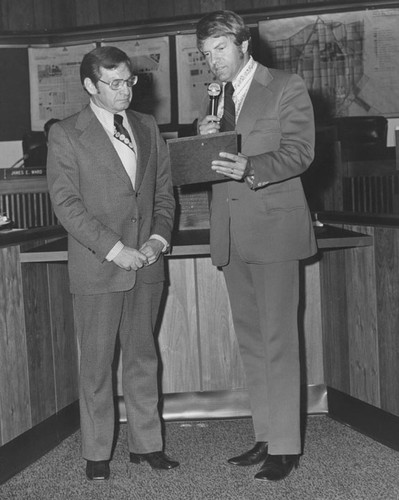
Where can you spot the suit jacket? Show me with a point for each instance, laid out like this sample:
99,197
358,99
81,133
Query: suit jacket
94,199
272,222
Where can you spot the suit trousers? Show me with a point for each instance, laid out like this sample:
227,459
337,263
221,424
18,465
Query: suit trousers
98,319
264,302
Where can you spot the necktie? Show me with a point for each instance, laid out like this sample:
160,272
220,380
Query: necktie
228,121
121,133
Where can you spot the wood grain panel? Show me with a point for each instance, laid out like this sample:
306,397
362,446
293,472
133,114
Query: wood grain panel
362,322
161,9
334,320
310,324
211,5
63,335
20,15
39,341
87,12
178,335
136,10
220,358
42,14
111,11
386,263
258,4
4,17
186,7
241,5
63,14
15,415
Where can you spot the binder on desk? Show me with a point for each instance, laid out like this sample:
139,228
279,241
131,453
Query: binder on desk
191,157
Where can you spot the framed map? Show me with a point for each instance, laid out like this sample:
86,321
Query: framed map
349,60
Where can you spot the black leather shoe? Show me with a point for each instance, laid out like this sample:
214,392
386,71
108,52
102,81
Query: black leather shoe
277,467
157,460
251,457
97,470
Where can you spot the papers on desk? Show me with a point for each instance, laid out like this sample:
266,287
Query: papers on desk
191,157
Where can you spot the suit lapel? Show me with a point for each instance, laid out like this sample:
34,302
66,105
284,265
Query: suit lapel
143,142
252,106
96,139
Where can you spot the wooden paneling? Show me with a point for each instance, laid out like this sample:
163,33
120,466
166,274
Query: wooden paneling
111,11
362,323
310,324
63,14
43,14
38,355
220,359
37,15
39,342
211,5
178,342
334,319
20,15
185,8
15,415
165,9
387,285
63,336
136,10
360,296
87,13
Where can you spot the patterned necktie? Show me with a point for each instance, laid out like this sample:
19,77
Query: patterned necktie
121,133
228,121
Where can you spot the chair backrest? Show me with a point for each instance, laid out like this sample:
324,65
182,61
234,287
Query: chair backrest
35,149
361,135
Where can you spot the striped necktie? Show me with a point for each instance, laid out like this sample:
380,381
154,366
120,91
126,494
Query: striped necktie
228,121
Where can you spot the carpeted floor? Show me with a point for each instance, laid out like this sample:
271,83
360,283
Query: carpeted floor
338,463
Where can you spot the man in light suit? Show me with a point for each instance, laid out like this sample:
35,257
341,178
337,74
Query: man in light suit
260,229
110,185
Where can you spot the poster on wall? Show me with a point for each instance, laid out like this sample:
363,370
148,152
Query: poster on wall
55,87
349,61
151,63
193,77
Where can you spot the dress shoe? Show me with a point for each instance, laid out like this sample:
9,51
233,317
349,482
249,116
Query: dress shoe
277,467
157,460
97,470
251,457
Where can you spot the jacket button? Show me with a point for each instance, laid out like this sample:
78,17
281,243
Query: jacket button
133,219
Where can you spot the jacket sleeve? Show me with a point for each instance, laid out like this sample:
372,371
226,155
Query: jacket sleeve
296,150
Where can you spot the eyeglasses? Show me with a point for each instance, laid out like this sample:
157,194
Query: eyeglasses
119,82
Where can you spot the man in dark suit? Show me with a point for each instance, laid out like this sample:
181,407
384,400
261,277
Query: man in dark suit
110,184
260,229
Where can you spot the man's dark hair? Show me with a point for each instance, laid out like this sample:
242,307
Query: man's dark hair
220,23
107,57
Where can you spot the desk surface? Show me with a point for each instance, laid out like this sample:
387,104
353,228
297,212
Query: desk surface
196,243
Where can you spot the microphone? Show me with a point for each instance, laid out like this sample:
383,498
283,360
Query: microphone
214,91
21,160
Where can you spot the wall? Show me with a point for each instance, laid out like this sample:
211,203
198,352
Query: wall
38,15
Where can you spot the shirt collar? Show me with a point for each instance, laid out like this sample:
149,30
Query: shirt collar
105,117
247,72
